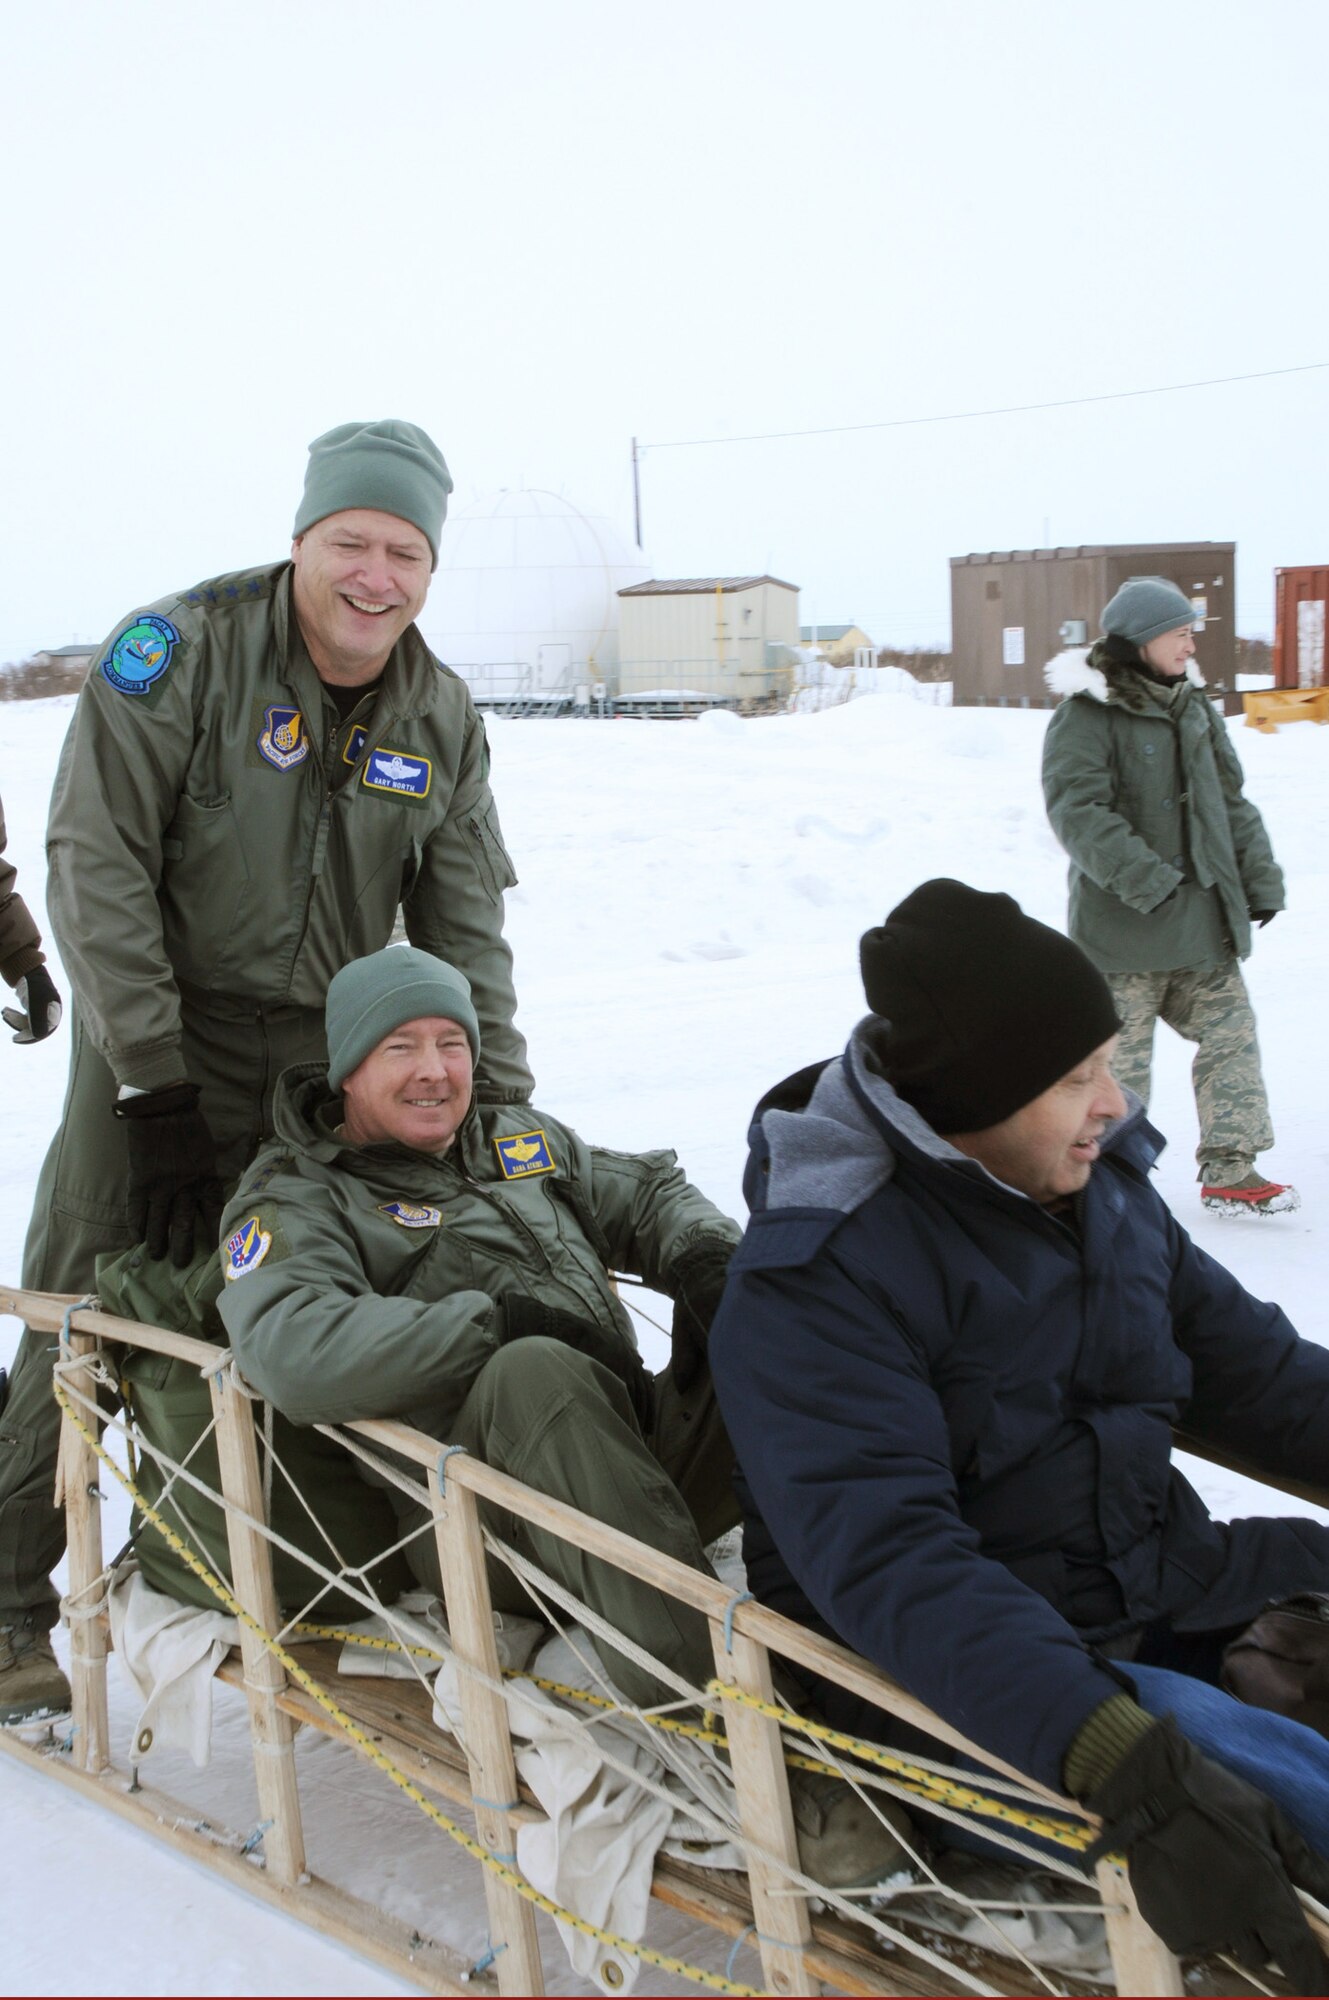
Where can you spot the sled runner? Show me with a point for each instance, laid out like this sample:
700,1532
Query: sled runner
808,1939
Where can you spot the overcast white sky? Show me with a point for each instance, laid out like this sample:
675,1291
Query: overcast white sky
540,229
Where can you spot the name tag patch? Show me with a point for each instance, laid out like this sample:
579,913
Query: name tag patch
245,1250
140,655
525,1153
410,1216
399,772
283,739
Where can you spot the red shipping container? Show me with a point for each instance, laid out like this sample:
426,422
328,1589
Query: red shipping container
1300,599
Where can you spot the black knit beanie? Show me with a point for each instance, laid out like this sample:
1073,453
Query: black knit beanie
985,1007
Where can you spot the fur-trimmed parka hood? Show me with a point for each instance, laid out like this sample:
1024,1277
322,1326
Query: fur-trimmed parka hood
1086,670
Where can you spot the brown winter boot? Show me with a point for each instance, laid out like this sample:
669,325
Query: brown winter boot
841,1841
31,1683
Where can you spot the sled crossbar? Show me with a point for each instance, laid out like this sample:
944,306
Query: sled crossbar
801,1953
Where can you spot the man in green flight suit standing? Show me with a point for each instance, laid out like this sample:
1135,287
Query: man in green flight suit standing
259,773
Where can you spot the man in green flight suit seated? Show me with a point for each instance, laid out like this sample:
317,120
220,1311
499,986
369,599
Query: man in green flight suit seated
399,1250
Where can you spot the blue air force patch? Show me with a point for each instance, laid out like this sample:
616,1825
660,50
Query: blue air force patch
283,739
397,771
411,1217
140,655
355,743
524,1153
245,1250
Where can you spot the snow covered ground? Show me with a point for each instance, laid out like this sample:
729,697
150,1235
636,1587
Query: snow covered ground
686,933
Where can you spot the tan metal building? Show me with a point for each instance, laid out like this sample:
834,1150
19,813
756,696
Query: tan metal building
725,638
1010,613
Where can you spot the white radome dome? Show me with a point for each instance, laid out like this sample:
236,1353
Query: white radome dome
525,598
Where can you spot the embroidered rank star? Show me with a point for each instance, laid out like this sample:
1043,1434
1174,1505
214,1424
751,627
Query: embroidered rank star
245,1250
355,743
409,1216
525,1153
283,739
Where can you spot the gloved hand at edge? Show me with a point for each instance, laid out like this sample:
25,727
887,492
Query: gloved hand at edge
175,1192
696,1282
1213,1863
522,1318
38,1012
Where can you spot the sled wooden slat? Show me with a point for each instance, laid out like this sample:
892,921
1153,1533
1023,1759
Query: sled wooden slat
488,1744
332,1912
79,1470
797,1949
1142,1962
265,1677
760,1778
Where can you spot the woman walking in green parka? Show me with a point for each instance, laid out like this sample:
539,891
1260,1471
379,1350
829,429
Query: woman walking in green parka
1170,867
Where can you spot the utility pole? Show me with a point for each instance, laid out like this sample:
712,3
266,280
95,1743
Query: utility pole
636,490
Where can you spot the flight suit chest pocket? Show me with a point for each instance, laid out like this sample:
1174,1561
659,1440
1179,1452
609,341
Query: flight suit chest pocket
204,878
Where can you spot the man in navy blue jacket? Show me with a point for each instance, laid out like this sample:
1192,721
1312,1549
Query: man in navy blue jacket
954,1343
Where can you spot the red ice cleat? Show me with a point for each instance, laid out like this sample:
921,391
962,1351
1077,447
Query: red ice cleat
1251,1196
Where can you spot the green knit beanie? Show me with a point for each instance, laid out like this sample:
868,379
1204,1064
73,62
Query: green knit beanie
1145,608
392,466
371,996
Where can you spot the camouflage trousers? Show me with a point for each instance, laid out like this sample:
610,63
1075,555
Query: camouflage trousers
1211,1008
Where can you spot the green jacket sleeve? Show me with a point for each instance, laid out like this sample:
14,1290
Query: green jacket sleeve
120,776
20,940
647,1211
1078,787
315,1339
1261,876
455,910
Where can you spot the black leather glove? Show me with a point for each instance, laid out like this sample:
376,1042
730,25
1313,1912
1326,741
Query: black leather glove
523,1318
1263,917
175,1194
1212,1861
39,1004
697,1283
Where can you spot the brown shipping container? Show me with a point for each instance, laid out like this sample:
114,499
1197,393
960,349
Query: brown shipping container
1300,596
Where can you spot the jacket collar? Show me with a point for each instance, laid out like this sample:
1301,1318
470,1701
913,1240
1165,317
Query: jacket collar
844,1140
306,1115
1088,670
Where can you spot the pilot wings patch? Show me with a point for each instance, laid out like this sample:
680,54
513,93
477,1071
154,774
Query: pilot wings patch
523,1154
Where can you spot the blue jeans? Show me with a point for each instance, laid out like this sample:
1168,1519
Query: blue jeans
1285,1760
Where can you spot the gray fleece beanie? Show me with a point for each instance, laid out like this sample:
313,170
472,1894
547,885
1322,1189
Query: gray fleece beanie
1145,608
371,996
393,466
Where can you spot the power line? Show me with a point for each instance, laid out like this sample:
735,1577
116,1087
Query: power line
965,416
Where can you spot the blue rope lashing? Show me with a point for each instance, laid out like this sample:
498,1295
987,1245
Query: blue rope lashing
443,1458
487,1957
742,1597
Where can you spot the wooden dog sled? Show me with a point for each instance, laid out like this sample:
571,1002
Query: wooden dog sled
808,1943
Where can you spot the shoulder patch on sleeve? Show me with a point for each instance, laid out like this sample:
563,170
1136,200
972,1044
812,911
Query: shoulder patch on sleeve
246,1249
140,655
